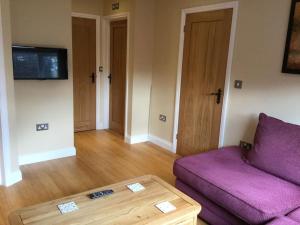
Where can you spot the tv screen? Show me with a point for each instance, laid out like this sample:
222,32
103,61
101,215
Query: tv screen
35,63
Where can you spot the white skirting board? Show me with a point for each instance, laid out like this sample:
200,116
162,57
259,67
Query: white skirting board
12,178
136,139
45,156
66,152
155,140
162,143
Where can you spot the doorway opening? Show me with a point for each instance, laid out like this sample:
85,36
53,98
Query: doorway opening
117,76
114,79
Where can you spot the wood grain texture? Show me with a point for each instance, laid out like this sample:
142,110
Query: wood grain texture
118,55
122,207
103,158
206,45
84,67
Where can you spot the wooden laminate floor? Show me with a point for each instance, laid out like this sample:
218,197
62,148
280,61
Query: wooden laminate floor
102,159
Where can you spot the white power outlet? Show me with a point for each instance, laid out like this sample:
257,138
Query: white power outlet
42,126
162,118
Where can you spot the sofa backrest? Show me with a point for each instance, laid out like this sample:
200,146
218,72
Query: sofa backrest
276,148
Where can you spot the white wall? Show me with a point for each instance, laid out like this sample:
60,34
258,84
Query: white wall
43,23
258,58
141,32
88,6
258,55
142,66
1,153
10,172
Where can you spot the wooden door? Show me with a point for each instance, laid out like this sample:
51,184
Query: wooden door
118,52
206,45
84,72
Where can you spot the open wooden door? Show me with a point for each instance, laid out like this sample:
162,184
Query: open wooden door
206,45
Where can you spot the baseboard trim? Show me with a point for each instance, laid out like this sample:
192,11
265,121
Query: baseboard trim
13,178
99,126
162,143
137,139
45,156
127,139
152,138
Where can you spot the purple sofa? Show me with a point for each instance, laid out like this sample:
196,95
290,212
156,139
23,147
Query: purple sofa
261,186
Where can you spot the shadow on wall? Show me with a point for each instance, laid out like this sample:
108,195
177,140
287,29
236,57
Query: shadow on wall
250,128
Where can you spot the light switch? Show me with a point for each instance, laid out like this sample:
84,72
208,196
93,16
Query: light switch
238,84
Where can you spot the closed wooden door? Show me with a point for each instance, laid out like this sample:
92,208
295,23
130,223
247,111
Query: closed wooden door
206,45
118,52
84,72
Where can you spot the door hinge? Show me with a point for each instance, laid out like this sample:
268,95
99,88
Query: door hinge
176,136
100,68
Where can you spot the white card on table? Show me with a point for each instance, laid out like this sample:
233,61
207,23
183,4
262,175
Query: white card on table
136,187
165,207
67,207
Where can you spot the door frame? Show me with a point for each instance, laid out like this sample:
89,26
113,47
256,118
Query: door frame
98,19
5,159
228,5
105,42
8,177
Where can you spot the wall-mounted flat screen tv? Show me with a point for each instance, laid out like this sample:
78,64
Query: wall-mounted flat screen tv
36,63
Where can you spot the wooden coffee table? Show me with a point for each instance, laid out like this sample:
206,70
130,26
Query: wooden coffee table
122,207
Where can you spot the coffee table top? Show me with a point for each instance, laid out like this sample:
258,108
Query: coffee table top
122,207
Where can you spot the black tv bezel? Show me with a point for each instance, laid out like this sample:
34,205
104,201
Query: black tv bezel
65,50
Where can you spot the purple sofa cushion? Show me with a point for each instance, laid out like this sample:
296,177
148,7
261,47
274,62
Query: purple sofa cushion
248,193
277,148
295,215
283,221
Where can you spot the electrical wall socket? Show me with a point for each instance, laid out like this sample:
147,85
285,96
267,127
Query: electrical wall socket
162,118
42,126
245,145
